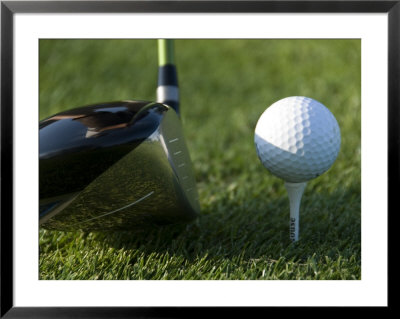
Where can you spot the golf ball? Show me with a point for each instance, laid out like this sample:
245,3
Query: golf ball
297,139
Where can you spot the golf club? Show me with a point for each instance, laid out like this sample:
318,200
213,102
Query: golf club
118,165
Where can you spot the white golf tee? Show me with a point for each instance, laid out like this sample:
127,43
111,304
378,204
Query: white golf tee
295,192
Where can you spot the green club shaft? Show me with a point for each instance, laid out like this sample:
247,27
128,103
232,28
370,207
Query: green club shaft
167,87
165,52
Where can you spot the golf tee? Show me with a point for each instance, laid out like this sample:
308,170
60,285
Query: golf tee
295,192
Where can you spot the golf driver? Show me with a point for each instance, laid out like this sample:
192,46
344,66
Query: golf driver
118,165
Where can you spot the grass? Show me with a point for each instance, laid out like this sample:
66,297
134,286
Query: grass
243,231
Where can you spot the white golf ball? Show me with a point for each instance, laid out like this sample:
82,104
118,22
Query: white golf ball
297,139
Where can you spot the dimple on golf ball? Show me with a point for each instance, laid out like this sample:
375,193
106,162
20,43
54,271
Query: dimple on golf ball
297,139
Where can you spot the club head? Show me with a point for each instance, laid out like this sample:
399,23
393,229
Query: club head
115,166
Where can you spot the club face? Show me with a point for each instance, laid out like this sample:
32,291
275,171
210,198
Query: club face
120,165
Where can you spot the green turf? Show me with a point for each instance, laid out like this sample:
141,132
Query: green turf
243,231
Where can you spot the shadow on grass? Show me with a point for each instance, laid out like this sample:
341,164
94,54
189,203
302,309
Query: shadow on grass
330,224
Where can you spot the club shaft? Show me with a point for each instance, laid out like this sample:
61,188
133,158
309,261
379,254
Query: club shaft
167,88
166,54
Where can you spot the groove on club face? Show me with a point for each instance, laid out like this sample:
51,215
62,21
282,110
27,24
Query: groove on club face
119,165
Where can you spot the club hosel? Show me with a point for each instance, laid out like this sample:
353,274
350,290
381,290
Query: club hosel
167,88
295,192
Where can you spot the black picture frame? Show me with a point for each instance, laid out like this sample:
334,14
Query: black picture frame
9,8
